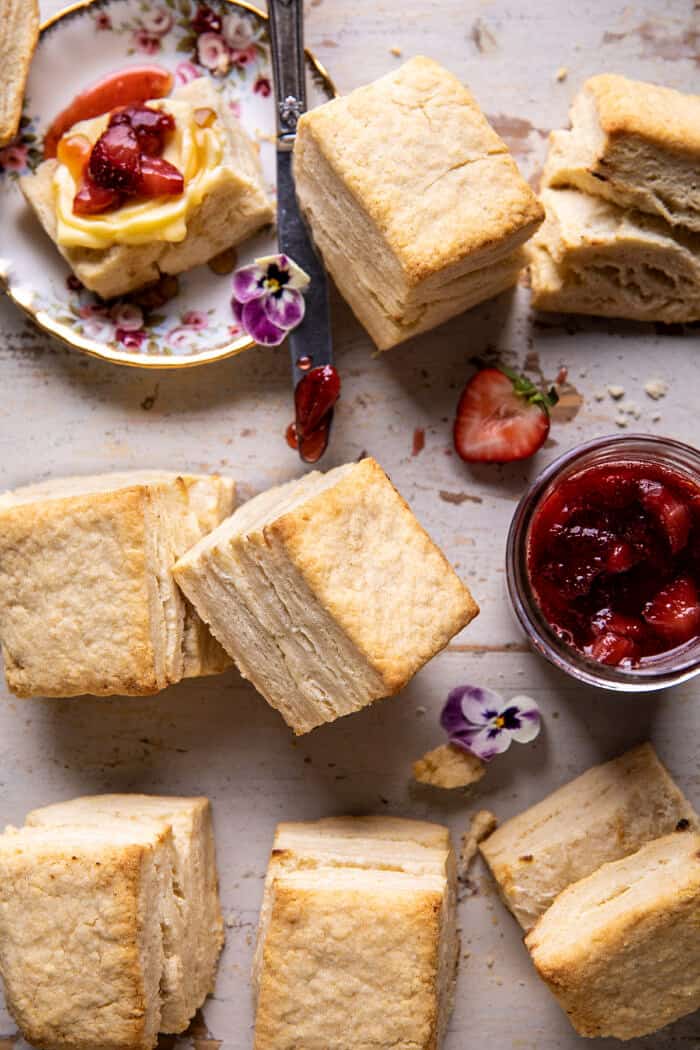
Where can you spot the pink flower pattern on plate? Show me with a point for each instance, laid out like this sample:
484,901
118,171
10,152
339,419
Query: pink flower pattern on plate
13,158
186,72
146,42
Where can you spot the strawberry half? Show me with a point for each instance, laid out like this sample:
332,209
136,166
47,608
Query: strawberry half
501,417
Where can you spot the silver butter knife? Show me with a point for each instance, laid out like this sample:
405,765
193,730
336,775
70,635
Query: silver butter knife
310,344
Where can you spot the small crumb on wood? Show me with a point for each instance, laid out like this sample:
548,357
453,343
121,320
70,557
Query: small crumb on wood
655,388
621,421
562,73
631,408
396,51
616,392
448,767
481,826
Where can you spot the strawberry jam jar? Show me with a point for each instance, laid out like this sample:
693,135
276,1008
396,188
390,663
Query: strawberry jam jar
603,562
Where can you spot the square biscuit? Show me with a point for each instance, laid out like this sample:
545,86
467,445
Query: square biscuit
196,932
413,199
620,949
606,813
593,257
82,919
87,603
234,208
635,143
357,939
326,592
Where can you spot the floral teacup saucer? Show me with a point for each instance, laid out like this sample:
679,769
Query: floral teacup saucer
184,320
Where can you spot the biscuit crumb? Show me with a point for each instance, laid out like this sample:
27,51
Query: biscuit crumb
448,767
480,827
631,408
616,392
656,418
490,962
562,73
420,710
655,389
396,51
621,421
599,395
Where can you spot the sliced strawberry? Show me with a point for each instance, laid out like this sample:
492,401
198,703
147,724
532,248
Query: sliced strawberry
608,621
159,178
672,513
92,199
610,648
501,417
151,126
115,161
622,557
674,612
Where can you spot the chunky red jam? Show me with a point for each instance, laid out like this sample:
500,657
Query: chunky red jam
614,560
129,86
315,397
124,162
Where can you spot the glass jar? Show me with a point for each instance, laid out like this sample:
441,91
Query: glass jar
653,672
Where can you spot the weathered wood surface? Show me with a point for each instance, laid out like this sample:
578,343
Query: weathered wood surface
61,412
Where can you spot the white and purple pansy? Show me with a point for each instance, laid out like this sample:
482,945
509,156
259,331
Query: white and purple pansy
484,723
267,298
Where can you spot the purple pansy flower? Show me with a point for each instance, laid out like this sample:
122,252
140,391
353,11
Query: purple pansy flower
267,298
482,722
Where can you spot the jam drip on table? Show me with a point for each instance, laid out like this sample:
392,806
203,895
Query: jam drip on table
315,397
614,561
125,161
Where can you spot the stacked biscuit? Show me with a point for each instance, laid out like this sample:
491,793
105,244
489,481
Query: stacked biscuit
110,925
357,943
415,203
604,875
620,189
87,601
325,591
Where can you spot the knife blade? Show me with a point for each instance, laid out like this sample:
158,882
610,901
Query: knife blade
310,343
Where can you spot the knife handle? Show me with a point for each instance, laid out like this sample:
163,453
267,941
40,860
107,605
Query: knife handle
287,45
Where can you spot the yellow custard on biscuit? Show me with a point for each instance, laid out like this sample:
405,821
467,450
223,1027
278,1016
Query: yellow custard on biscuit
196,151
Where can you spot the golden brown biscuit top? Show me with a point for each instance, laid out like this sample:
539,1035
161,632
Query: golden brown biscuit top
662,115
422,160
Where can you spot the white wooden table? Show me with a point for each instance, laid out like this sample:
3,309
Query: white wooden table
62,412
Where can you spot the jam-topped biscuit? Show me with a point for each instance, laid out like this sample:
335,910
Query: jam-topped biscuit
151,189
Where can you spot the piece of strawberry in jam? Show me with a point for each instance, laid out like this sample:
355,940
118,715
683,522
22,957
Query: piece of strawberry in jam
92,199
159,178
674,612
115,161
610,648
127,86
151,126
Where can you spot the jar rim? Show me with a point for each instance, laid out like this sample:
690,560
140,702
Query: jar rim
671,668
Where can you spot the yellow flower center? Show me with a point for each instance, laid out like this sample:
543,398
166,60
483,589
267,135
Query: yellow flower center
500,722
272,284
